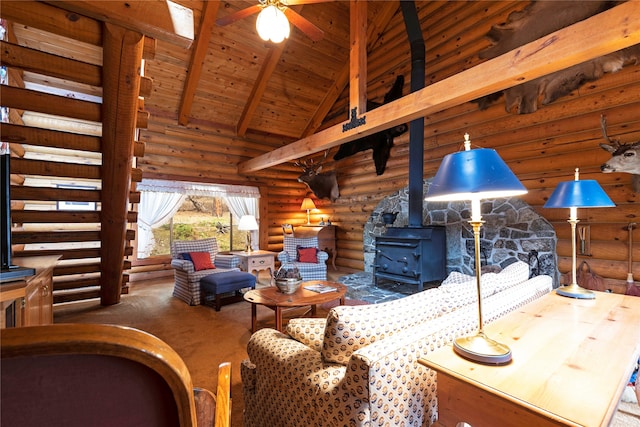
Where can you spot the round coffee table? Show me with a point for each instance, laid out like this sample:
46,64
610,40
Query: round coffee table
274,299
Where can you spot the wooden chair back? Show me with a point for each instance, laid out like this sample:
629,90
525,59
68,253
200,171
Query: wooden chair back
97,375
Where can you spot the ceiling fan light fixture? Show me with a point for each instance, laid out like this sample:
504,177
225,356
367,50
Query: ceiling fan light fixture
272,24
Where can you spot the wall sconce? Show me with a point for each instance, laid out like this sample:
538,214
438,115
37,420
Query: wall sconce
307,204
573,195
474,175
249,224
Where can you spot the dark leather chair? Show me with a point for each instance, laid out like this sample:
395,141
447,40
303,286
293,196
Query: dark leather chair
101,375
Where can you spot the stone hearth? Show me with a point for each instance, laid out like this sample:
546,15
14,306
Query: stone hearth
512,231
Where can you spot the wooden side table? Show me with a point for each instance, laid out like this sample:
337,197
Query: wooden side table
254,262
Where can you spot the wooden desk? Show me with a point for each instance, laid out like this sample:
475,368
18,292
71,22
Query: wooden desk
571,361
274,299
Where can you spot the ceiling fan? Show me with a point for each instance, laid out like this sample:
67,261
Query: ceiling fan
313,32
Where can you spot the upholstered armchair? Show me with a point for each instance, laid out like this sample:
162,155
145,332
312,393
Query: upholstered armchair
91,374
190,266
312,264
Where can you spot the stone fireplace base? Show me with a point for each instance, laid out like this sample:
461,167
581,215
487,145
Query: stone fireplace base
512,231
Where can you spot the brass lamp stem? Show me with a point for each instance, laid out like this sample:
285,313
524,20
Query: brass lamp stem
479,347
574,262
249,248
574,290
476,237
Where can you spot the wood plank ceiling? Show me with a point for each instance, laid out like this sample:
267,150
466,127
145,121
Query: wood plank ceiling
252,87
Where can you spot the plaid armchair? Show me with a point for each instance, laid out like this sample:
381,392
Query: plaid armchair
187,286
308,270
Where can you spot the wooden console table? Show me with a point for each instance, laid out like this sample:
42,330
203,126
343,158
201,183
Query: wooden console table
326,235
571,361
29,298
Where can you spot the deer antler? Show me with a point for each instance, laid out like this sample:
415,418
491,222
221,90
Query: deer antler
311,164
603,126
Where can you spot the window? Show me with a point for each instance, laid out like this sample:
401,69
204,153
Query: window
171,210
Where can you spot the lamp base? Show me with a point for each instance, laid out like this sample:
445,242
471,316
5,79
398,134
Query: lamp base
575,291
483,349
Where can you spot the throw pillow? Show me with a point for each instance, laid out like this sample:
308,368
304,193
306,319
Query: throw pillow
201,260
308,255
185,256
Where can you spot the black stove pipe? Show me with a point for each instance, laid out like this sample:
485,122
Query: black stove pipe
416,127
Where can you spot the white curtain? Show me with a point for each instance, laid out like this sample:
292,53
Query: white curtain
155,210
239,206
160,200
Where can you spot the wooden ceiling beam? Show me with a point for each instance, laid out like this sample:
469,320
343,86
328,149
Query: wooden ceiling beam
198,55
158,19
268,67
358,56
607,32
374,30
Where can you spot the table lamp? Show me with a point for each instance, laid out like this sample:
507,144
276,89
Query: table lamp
573,195
248,223
474,175
307,204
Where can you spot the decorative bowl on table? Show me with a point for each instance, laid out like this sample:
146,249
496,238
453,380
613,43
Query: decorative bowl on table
288,286
288,278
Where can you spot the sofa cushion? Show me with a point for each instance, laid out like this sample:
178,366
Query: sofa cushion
513,274
201,261
308,331
350,328
461,289
307,255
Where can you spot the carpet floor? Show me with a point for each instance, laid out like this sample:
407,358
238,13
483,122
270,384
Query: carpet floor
205,338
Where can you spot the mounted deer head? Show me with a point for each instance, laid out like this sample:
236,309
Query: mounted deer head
323,185
624,157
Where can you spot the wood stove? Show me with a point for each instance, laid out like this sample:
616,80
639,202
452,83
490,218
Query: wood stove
414,255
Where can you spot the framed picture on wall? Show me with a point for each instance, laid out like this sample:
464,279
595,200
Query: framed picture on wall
76,205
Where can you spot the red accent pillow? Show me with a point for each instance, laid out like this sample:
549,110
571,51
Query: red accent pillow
307,255
201,260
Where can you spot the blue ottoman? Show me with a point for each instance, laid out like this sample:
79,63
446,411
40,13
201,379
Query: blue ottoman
226,282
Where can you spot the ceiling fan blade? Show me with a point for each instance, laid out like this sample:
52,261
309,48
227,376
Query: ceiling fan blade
236,16
313,32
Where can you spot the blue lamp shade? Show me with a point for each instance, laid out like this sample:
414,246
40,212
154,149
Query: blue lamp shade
579,194
474,174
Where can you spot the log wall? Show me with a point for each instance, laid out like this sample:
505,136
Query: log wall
58,141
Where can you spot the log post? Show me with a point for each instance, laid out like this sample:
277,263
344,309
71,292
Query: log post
122,54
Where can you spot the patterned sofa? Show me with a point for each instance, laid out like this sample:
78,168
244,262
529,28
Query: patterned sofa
187,286
308,270
359,366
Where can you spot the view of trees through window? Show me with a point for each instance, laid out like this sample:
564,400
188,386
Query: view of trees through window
200,218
